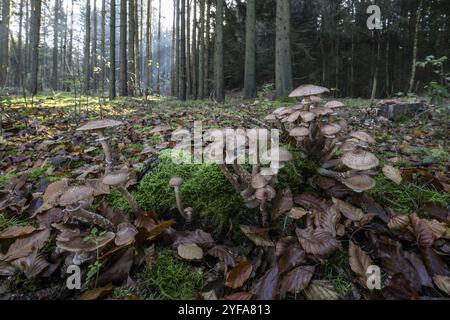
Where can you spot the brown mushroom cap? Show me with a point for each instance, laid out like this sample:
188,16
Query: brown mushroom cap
259,181
79,244
331,129
115,178
300,132
334,105
261,194
100,124
308,116
271,193
360,183
363,136
360,160
293,117
271,118
268,173
126,233
176,181
322,111
75,195
278,111
308,90
279,154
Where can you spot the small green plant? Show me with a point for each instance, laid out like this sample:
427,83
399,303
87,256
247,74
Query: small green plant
6,222
35,174
436,155
94,269
122,293
439,88
337,270
4,179
169,279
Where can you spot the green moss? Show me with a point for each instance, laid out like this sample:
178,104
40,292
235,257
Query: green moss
170,279
35,174
292,175
337,270
205,189
4,179
408,197
6,222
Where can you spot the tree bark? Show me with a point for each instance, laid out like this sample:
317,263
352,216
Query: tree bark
103,47
250,51
207,48
201,52
149,49
158,85
55,45
112,51
87,48
95,71
194,55
283,63
188,48
35,26
4,40
131,51
415,48
219,80
123,49
182,93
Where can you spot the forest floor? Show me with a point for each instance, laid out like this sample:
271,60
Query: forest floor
40,147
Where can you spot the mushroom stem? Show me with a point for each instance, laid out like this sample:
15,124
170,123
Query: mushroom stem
107,150
264,215
133,203
231,178
179,202
91,218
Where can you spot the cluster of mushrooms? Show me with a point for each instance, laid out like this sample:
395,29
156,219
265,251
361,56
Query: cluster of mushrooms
319,133
256,183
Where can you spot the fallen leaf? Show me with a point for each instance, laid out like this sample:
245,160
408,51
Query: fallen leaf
266,287
157,230
223,254
359,261
317,242
190,252
260,237
97,294
125,234
198,237
349,211
399,222
422,231
237,276
296,280
443,283
16,232
321,290
393,174
282,203
239,296
297,213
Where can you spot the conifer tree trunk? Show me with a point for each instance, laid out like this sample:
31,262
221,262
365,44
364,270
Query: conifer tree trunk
218,62
36,6
283,64
149,49
123,49
4,41
250,52
131,51
201,52
182,93
112,51
87,49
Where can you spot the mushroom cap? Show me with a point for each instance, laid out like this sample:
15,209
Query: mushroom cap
300,132
334,105
278,154
159,129
126,233
308,116
279,110
176,181
360,183
74,195
79,244
308,90
293,117
100,124
322,111
271,118
363,136
331,129
348,146
268,173
259,181
115,178
360,160
271,192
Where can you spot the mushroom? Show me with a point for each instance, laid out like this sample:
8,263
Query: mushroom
99,128
363,136
307,91
359,183
76,200
334,105
79,244
330,130
118,180
300,133
176,183
308,116
360,160
277,157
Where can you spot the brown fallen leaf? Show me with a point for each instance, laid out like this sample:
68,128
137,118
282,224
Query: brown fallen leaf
97,294
296,280
16,232
198,237
321,290
266,287
443,283
190,252
260,237
292,256
359,261
223,254
297,213
239,296
237,276
422,231
24,246
157,230
399,222
317,242
393,174
125,235
349,211
282,203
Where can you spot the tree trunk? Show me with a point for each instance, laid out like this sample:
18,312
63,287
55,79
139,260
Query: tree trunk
36,6
415,48
250,51
174,53
95,71
131,51
137,54
188,48
87,48
201,52
283,63
375,74
55,46
70,50
194,56
149,49
207,48
103,47
158,85
18,75
112,51
4,40
123,49
218,63
182,93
